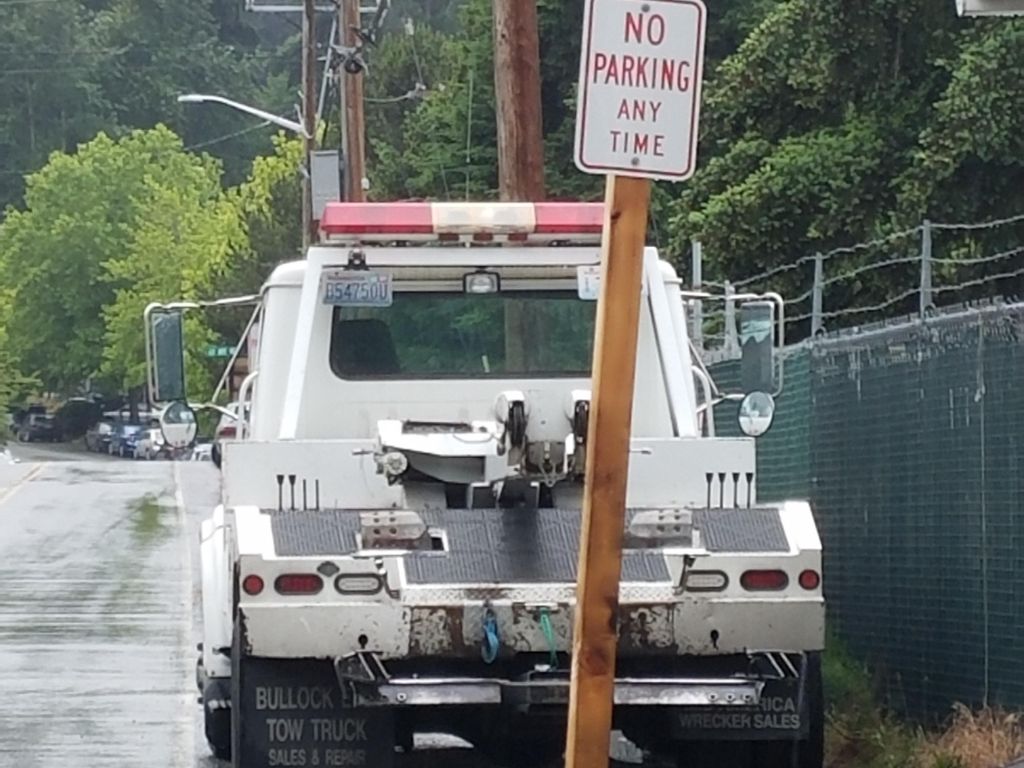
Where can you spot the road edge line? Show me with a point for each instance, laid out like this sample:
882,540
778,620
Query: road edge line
187,723
32,474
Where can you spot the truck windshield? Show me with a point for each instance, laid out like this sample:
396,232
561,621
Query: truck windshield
510,334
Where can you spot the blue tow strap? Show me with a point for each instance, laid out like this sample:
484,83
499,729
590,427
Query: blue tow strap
489,650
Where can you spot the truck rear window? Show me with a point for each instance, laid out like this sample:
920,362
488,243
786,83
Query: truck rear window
511,334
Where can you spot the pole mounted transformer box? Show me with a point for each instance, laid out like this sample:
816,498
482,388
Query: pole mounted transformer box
990,7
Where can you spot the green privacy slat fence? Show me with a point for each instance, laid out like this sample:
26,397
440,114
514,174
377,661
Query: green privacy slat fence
909,441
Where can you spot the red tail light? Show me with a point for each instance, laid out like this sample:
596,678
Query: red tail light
298,584
764,581
810,580
252,584
227,431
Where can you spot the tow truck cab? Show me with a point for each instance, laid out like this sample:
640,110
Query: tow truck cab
396,547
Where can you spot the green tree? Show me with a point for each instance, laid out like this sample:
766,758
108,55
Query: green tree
838,122
13,385
447,144
159,49
49,97
103,232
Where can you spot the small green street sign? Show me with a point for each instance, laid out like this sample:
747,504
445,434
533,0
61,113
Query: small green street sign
220,352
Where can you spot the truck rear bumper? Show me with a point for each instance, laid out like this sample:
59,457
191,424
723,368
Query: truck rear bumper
660,692
303,712
397,631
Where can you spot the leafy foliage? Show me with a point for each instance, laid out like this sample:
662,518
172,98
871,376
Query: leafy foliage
825,123
104,231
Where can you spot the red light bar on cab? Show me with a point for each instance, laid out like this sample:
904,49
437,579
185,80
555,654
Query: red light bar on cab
480,222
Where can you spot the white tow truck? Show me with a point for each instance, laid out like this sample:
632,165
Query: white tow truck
396,548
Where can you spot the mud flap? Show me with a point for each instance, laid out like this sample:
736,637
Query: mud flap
782,715
290,714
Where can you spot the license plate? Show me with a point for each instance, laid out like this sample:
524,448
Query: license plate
357,288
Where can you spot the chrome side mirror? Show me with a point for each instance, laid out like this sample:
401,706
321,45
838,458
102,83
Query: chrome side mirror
757,411
178,425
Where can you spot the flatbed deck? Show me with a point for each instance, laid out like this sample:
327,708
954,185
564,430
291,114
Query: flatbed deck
513,546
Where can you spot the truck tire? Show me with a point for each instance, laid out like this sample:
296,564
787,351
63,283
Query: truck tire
717,754
217,719
513,741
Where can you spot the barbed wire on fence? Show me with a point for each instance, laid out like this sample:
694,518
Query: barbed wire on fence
982,259
980,225
927,289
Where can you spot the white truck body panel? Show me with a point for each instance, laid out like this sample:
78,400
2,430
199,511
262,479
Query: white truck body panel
485,473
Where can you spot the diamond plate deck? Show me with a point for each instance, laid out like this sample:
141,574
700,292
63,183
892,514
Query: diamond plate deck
516,547
492,546
741,530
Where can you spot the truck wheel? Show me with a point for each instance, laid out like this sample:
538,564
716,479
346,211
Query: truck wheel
516,742
717,754
217,716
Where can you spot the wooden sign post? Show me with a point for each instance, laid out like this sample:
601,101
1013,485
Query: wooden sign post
639,98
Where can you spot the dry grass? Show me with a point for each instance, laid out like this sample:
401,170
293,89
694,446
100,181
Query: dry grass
861,734
990,738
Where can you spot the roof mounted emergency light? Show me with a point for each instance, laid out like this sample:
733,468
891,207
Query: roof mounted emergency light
475,222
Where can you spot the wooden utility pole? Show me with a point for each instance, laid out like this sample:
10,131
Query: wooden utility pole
595,632
520,134
353,122
517,91
309,95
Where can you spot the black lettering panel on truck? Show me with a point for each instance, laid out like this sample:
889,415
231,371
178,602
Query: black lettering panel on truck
777,717
289,714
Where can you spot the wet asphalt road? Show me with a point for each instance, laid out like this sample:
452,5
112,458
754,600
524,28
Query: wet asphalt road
96,615
99,615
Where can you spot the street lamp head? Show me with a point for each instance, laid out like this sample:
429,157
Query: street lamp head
290,125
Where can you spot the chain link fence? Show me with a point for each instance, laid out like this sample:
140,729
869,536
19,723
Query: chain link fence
909,441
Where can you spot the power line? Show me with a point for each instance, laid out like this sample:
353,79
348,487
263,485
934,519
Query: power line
415,93
144,67
188,148
21,51
226,137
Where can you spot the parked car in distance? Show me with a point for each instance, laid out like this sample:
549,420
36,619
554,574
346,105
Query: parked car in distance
150,445
38,427
130,443
118,445
97,437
